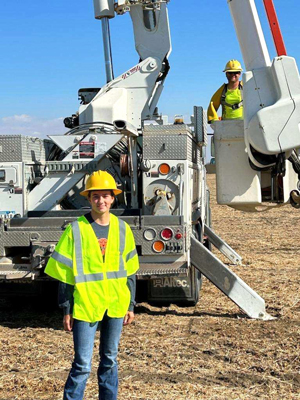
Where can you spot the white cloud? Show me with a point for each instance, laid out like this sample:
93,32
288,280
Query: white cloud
31,126
17,118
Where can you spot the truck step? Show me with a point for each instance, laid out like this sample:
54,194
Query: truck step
16,271
151,269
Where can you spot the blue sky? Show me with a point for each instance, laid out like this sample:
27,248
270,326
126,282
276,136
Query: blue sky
51,48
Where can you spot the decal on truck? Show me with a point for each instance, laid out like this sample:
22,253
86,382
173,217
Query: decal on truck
170,282
131,72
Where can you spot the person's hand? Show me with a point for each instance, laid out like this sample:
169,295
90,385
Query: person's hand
68,323
129,317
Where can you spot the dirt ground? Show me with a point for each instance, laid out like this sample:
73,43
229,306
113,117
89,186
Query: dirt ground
210,351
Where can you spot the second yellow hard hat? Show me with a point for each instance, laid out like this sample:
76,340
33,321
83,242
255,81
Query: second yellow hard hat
233,66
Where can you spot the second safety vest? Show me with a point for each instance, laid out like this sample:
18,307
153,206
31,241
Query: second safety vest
232,102
100,285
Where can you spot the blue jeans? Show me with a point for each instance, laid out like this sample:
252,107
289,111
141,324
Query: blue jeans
83,336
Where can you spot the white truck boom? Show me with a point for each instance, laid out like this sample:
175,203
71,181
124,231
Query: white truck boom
132,97
161,168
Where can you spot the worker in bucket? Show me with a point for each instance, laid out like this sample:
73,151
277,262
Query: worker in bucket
229,95
95,261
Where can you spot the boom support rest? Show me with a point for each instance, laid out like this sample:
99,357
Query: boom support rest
228,282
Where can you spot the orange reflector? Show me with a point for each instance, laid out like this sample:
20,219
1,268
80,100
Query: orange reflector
158,246
164,169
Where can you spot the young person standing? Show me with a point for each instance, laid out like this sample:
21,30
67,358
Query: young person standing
95,261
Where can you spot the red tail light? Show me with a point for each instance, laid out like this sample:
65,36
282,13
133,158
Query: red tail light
166,234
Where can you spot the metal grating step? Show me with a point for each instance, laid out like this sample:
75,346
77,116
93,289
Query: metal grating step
14,271
177,268
10,275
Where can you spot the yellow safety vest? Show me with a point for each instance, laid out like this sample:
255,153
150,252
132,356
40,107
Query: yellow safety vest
99,286
231,101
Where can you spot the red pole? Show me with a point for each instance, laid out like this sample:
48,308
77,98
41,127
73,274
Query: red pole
275,28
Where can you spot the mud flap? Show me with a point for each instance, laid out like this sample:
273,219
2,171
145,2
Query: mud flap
227,281
179,290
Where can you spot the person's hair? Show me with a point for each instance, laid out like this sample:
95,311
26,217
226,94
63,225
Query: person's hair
91,191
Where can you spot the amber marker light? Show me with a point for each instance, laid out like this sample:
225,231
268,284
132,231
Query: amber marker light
158,246
164,169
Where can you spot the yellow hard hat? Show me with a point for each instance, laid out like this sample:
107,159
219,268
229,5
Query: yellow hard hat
100,180
233,66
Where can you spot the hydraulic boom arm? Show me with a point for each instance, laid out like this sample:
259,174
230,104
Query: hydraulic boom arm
132,97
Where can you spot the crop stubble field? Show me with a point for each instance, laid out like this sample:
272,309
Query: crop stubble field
210,351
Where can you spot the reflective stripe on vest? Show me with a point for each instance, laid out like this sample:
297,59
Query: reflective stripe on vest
131,255
121,273
62,259
81,277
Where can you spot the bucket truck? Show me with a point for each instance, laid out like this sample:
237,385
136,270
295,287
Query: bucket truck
159,167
